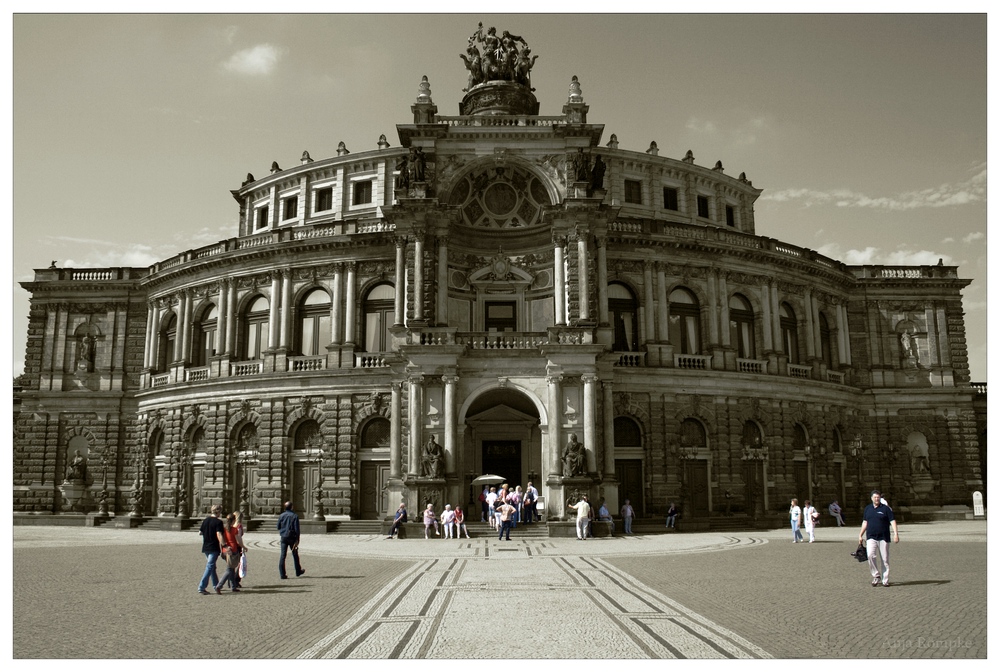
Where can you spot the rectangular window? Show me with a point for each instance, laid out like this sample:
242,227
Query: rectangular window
730,216
633,191
501,316
262,217
324,199
362,192
703,207
291,207
670,198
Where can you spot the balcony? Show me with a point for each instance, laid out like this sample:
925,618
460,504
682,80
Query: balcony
371,360
310,363
799,371
751,365
693,362
630,359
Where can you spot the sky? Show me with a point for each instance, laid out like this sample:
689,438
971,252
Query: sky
867,132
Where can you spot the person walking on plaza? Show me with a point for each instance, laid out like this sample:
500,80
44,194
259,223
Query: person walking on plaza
877,524
239,529
398,520
460,524
288,532
506,511
834,510
810,515
212,542
582,509
448,521
795,515
231,552
430,518
628,513
672,515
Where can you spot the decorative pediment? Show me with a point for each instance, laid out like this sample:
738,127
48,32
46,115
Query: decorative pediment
502,415
500,270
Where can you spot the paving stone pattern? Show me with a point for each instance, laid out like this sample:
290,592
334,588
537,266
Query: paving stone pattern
108,593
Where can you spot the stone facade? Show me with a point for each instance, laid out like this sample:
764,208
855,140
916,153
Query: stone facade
503,301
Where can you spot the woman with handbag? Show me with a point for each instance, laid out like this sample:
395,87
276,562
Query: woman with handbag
231,552
810,516
238,526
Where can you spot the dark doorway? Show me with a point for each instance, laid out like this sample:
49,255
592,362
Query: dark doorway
697,483
629,476
503,458
801,482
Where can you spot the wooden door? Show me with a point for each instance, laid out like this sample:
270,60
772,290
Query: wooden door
628,473
374,491
697,483
305,477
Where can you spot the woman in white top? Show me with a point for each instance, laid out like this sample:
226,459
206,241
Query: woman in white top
448,520
795,515
810,515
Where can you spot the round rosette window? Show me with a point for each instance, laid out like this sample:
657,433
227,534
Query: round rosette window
500,198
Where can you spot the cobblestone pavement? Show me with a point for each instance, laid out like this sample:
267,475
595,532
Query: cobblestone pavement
109,593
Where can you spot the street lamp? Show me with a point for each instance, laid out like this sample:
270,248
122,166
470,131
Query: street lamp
246,458
754,456
858,453
138,461
102,505
815,457
319,514
182,485
887,456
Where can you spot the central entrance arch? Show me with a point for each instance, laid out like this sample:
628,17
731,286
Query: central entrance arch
503,436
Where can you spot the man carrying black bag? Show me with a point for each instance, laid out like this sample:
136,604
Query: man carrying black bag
877,523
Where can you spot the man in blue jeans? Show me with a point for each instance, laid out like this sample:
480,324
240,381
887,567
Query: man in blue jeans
288,530
211,546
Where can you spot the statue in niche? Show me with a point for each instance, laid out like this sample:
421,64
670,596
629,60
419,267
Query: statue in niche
908,345
920,459
86,350
581,166
77,468
574,457
403,179
597,173
431,459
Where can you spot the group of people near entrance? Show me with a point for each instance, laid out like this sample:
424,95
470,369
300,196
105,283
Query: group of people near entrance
524,505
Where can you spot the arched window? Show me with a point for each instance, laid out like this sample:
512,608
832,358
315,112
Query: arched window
314,325
627,433
741,327
204,336
685,322
167,341
256,326
826,350
799,438
789,333
380,315
693,434
623,310
751,434
375,434
838,445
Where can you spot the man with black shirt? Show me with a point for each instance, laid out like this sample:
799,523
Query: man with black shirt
878,522
288,530
211,545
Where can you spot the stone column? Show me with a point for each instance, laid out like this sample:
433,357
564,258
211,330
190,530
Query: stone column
559,271
724,334
350,313
418,278
775,317
647,300
765,326
590,420
336,311
555,424
223,320
396,431
442,283
583,276
608,413
400,288
286,309
714,310
663,307
273,314
416,414
602,281
450,418
810,331
147,357
841,335
184,327
231,321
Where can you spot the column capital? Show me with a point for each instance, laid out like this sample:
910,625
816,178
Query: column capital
400,241
589,378
449,379
397,385
554,380
558,239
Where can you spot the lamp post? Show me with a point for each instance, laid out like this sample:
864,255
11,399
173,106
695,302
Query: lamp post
887,456
182,485
102,505
138,461
319,514
246,458
816,458
858,453
754,456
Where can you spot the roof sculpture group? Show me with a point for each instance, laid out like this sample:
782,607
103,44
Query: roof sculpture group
492,58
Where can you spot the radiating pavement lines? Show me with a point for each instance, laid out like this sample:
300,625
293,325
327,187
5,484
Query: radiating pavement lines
582,607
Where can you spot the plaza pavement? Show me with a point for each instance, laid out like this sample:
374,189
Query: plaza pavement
109,593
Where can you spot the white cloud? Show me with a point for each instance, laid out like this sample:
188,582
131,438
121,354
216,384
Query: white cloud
873,256
972,190
974,236
701,126
258,60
